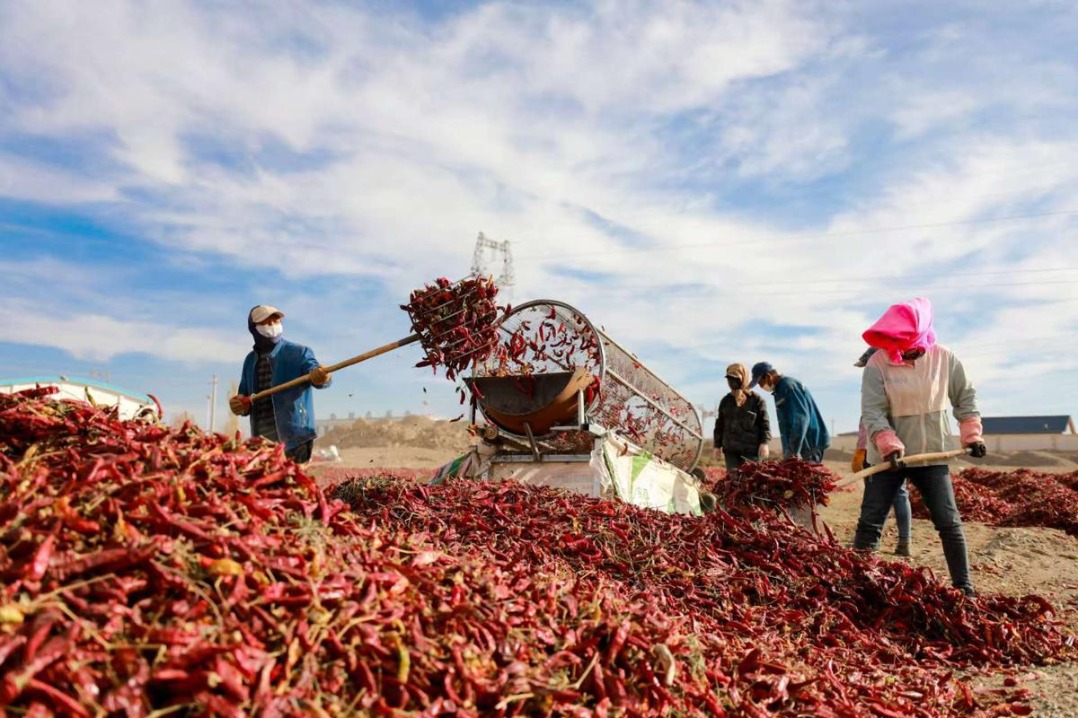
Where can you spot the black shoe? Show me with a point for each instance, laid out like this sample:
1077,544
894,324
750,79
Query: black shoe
903,548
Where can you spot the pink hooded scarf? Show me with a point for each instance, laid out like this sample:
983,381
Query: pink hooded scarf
903,327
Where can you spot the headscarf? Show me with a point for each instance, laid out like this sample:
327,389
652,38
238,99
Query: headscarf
742,373
903,327
262,344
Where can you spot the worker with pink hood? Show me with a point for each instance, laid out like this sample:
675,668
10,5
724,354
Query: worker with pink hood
904,389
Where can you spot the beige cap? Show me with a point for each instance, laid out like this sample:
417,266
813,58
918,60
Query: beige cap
263,312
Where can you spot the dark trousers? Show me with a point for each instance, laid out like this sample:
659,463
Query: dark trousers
735,460
302,453
903,512
934,483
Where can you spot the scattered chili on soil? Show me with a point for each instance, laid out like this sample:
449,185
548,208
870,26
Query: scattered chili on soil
1014,498
155,571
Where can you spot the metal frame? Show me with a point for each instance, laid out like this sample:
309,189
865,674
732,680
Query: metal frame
655,405
584,412
523,459
587,322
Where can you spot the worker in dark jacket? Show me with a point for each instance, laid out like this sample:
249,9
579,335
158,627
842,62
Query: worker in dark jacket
742,429
804,434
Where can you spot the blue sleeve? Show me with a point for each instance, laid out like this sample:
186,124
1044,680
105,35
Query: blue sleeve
782,417
308,362
797,412
244,389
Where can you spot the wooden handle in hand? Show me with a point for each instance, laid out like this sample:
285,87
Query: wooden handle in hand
886,465
334,367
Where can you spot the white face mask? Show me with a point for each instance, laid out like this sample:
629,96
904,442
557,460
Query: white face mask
270,331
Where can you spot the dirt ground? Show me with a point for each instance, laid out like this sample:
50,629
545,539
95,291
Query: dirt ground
1003,560
1015,561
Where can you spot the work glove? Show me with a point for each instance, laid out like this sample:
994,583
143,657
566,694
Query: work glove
977,450
888,443
318,376
240,405
858,463
970,430
765,451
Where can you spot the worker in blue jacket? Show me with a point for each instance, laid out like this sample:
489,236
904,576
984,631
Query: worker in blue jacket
288,415
804,434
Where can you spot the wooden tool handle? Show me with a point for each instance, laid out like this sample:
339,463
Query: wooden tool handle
334,367
886,465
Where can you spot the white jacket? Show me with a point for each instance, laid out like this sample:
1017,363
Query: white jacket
911,398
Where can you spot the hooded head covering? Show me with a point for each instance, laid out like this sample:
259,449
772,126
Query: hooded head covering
903,327
738,371
262,344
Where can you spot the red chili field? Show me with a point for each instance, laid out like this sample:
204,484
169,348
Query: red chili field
156,571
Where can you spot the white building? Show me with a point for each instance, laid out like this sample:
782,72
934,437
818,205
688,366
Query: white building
130,403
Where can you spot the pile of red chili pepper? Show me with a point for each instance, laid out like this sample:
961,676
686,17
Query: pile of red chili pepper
150,571
1016,498
765,619
786,484
457,322
331,475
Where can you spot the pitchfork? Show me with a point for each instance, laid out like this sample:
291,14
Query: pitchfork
436,344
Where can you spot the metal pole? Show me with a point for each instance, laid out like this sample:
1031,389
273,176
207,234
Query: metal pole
658,407
213,404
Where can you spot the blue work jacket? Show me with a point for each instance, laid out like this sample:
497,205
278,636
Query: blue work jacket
293,408
804,432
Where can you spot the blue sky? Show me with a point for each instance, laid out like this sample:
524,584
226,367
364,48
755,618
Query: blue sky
710,181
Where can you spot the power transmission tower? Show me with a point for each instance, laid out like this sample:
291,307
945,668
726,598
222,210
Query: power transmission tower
487,254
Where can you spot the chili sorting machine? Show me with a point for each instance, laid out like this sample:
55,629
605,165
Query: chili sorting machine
566,405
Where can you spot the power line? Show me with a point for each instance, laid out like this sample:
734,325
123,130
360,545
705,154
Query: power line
1057,342
1012,341
696,289
804,236
844,280
918,288
932,276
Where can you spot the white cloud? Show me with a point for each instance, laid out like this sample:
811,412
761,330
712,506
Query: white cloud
325,140
99,337
926,111
22,179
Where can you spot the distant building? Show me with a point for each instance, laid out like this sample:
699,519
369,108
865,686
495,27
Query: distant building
321,426
1030,433
129,403
1060,424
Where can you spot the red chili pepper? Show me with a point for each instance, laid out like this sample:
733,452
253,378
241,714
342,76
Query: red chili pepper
470,597
40,564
